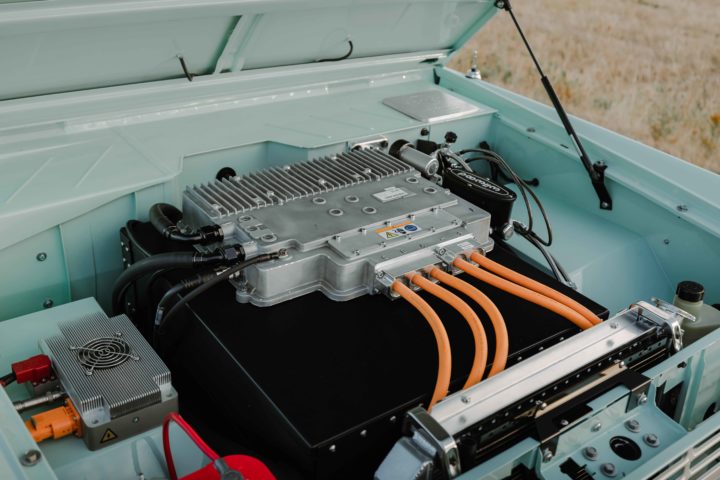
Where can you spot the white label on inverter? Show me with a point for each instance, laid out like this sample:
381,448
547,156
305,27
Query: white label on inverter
465,245
398,230
390,194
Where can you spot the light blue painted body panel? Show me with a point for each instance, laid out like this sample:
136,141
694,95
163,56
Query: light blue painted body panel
130,131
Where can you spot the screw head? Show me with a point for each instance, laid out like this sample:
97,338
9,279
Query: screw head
48,303
41,257
547,455
424,132
633,425
332,448
590,453
30,458
596,427
642,399
363,433
652,440
608,469
465,399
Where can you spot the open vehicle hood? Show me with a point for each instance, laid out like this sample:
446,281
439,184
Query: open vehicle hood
69,45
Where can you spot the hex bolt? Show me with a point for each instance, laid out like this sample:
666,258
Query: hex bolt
547,455
590,453
642,399
41,257
608,469
633,425
424,132
596,427
652,440
30,458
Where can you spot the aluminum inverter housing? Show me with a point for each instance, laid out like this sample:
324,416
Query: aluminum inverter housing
350,224
116,381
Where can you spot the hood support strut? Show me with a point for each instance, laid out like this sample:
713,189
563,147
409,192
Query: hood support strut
596,170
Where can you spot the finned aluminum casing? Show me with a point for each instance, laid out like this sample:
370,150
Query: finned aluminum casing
350,224
113,403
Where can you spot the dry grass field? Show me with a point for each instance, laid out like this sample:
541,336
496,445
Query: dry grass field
649,69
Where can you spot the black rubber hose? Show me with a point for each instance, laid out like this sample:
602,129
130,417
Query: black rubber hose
157,262
165,217
212,282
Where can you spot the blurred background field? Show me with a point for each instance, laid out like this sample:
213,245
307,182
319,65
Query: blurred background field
649,69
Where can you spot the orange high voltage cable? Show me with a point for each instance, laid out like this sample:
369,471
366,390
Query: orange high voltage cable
481,348
524,293
442,385
540,288
502,342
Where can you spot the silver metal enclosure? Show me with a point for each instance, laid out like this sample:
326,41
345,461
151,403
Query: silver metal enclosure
350,223
533,388
115,380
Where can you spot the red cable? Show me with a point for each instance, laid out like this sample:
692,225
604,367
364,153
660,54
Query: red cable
204,447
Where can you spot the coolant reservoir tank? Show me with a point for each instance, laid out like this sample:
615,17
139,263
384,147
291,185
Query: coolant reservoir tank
689,296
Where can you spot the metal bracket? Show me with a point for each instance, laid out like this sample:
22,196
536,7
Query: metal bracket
550,425
444,444
375,143
667,314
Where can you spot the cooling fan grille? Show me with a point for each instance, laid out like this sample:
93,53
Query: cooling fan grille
103,353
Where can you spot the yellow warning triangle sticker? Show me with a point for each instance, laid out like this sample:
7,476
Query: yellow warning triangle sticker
391,235
108,435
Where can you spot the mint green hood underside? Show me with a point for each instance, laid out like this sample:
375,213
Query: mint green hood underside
70,45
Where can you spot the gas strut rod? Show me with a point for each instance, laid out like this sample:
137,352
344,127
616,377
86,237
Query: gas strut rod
595,170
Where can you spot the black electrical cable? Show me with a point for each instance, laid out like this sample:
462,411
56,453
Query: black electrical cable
491,156
183,285
168,260
226,274
548,257
337,59
502,164
7,379
526,232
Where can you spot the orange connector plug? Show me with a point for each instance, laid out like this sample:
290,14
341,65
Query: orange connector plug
56,423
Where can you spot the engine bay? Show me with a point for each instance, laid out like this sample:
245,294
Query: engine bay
372,274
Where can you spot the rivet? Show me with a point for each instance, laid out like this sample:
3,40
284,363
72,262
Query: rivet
652,440
608,469
633,425
30,458
590,453
547,455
